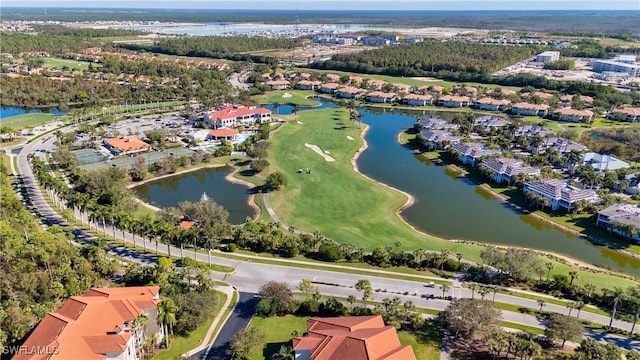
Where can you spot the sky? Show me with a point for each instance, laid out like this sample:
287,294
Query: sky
338,5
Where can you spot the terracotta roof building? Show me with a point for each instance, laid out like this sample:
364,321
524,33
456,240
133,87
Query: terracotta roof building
353,338
223,133
523,108
96,325
126,145
626,113
236,115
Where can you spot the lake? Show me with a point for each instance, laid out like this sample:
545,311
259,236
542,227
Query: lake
13,111
190,186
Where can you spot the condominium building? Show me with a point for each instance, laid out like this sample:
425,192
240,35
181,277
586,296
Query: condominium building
601,66
559,193
548,56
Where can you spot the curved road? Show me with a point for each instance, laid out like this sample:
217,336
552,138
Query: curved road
249,276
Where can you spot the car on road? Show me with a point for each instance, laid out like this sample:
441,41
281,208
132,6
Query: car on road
430,284
428,296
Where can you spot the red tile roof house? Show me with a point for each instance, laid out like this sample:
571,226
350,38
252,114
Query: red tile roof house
627,113
431,89
523,108
559,193
492,104
351,338
223,133
278,84
329,88
236,115
308,85
374,84
454,101
567,100
380,97
417,100
572,115
124,145
97,325
350,92
504,169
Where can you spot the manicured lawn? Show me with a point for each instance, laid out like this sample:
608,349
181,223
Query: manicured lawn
423,348
26,120
180,345
277,331
334,199
298,97
55,63
531,329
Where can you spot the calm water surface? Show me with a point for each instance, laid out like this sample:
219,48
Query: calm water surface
190,187
12,111
454,208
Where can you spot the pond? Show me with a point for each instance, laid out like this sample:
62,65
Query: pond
190,186
455,208
12,111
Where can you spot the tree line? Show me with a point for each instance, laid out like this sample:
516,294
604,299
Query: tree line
59,39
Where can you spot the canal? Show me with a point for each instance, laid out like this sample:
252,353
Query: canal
190,186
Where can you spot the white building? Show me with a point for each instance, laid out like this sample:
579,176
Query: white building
628,214
471,152
231,116
560,193
601,66
504,169
548,56
603,162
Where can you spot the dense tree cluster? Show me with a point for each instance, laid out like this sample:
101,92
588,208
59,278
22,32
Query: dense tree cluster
562,64
429,57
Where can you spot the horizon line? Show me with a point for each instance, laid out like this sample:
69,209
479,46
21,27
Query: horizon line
337,10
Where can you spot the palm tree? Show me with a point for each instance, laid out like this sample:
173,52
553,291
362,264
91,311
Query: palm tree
542,303
473,287
590,288
445,288
444,254
579,305
138,324
459,257
549,267
167,316
633,294
617,295
573,275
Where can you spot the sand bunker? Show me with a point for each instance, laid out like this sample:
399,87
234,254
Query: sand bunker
349,137
300,122
327,152
286,95
318,151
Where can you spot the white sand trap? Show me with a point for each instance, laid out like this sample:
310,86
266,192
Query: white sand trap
318,151
286,95
327,152
349,137
300,122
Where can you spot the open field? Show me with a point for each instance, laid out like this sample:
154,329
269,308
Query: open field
26,120
277,330
222,61
56,63
297,97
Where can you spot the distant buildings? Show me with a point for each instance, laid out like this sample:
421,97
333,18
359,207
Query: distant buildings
492,104
572,115
504,169
417,100
559,193
490,122
332,39
626,113
350,337
548,56
631,70
375,41
523,108
621,214
453,101
380,97
602,162
470,152
437,139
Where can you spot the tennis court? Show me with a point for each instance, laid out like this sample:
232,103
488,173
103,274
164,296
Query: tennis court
89,156
150,157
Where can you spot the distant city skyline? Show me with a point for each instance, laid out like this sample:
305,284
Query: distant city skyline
337,5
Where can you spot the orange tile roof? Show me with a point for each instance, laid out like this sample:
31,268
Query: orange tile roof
454,98
127,143
89,326
187,224
529,106
418,97
223,133
492,101
353,338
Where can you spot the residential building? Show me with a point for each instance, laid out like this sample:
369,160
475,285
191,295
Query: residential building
375,84
631,70
332,39
528,109
628,214
278,84
504,169
381,97
431,89
101,324
634,186
492,104
402,88
546,97
470,153
390,37
417,100
438,139
561,145
333,77
572,115
490,122
567,100
548,56
349,92
374,41
626,113
465,91
531,130
186,224
559,193
125,145
329,88
436,124
230,116
350,337
496,92
603,162
453,101
308,85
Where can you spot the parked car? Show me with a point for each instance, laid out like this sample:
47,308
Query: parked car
430,284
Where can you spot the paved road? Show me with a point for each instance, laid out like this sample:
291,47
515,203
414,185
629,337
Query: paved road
249,276
239,319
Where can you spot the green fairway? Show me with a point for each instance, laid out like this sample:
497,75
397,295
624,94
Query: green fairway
55,63
277,330
297,97
334,199
26,120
